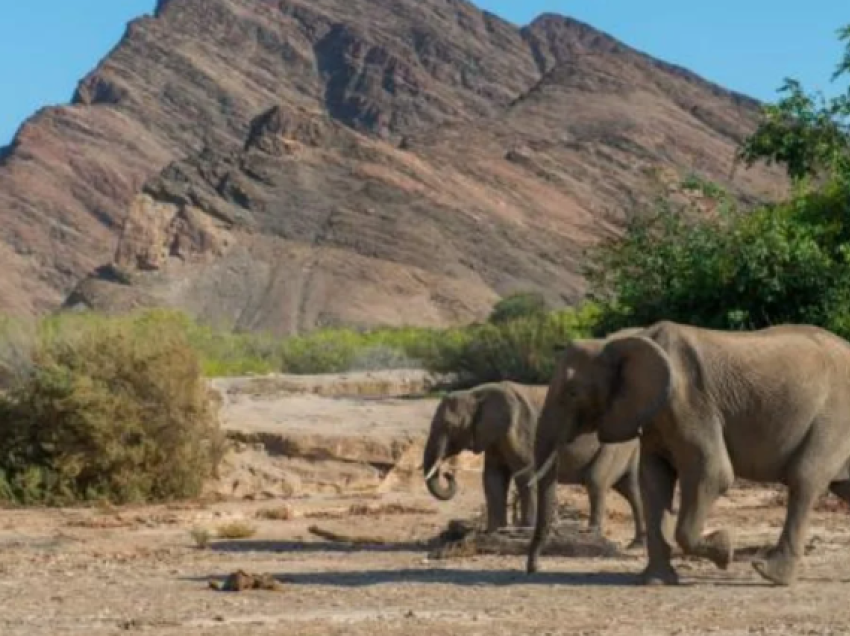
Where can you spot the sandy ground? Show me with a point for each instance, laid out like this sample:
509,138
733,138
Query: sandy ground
109,571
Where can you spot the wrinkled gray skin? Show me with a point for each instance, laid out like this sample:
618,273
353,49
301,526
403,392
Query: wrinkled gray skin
771,405
499,419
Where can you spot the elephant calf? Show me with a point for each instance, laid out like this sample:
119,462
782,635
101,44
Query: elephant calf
500,419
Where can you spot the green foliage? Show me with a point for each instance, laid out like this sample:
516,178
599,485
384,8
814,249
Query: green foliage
522,350
695,183
737,270
337,350
519,305
113,409
807,134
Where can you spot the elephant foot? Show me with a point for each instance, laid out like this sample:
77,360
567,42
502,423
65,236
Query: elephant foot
777,568
659,575
721,550
532,566
637,542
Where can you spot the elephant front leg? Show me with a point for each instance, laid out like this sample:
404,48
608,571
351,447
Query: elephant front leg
699,492
496,484
657,483
780,565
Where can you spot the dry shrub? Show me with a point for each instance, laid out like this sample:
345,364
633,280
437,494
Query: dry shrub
376,510
281,513
369,510
17,340
201,537
236,530
101,523
114,410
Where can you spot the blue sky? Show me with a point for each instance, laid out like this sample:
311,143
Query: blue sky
46,46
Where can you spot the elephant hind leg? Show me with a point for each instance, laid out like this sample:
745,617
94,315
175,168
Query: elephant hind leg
816,468
780,564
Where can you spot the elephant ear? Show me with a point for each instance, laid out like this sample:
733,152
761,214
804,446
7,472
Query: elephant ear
641,383
492,419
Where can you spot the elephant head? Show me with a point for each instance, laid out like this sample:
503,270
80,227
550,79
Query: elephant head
464,420
615,387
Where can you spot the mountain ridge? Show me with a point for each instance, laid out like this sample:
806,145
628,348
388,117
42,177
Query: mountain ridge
307,139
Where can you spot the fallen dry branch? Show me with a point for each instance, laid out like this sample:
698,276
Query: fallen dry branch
330,535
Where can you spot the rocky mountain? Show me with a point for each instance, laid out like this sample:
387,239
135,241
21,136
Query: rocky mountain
283,164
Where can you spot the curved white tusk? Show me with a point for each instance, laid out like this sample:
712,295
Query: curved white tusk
433,471
547,466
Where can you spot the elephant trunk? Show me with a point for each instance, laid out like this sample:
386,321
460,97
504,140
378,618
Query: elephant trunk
435,453
443,493
548,438
545,507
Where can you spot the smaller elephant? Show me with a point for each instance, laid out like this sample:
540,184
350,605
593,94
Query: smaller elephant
500,420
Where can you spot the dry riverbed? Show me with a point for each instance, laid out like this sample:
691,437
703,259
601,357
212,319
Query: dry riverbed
347,464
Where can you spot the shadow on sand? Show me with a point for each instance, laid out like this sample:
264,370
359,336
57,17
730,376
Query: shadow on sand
316,546
446,576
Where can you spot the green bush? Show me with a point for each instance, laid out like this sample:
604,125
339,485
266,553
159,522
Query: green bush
113,409
736,270
522,350
338,350
519,305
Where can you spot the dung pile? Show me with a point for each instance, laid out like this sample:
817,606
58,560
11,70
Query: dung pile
240,581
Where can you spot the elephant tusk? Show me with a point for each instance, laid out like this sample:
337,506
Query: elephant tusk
433,471
547,466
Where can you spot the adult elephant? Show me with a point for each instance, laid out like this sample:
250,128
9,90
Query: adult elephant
771,405
500,419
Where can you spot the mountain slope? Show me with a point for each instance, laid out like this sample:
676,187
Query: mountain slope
286,164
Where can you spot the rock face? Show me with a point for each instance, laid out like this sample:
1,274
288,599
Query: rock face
297,435
285,164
